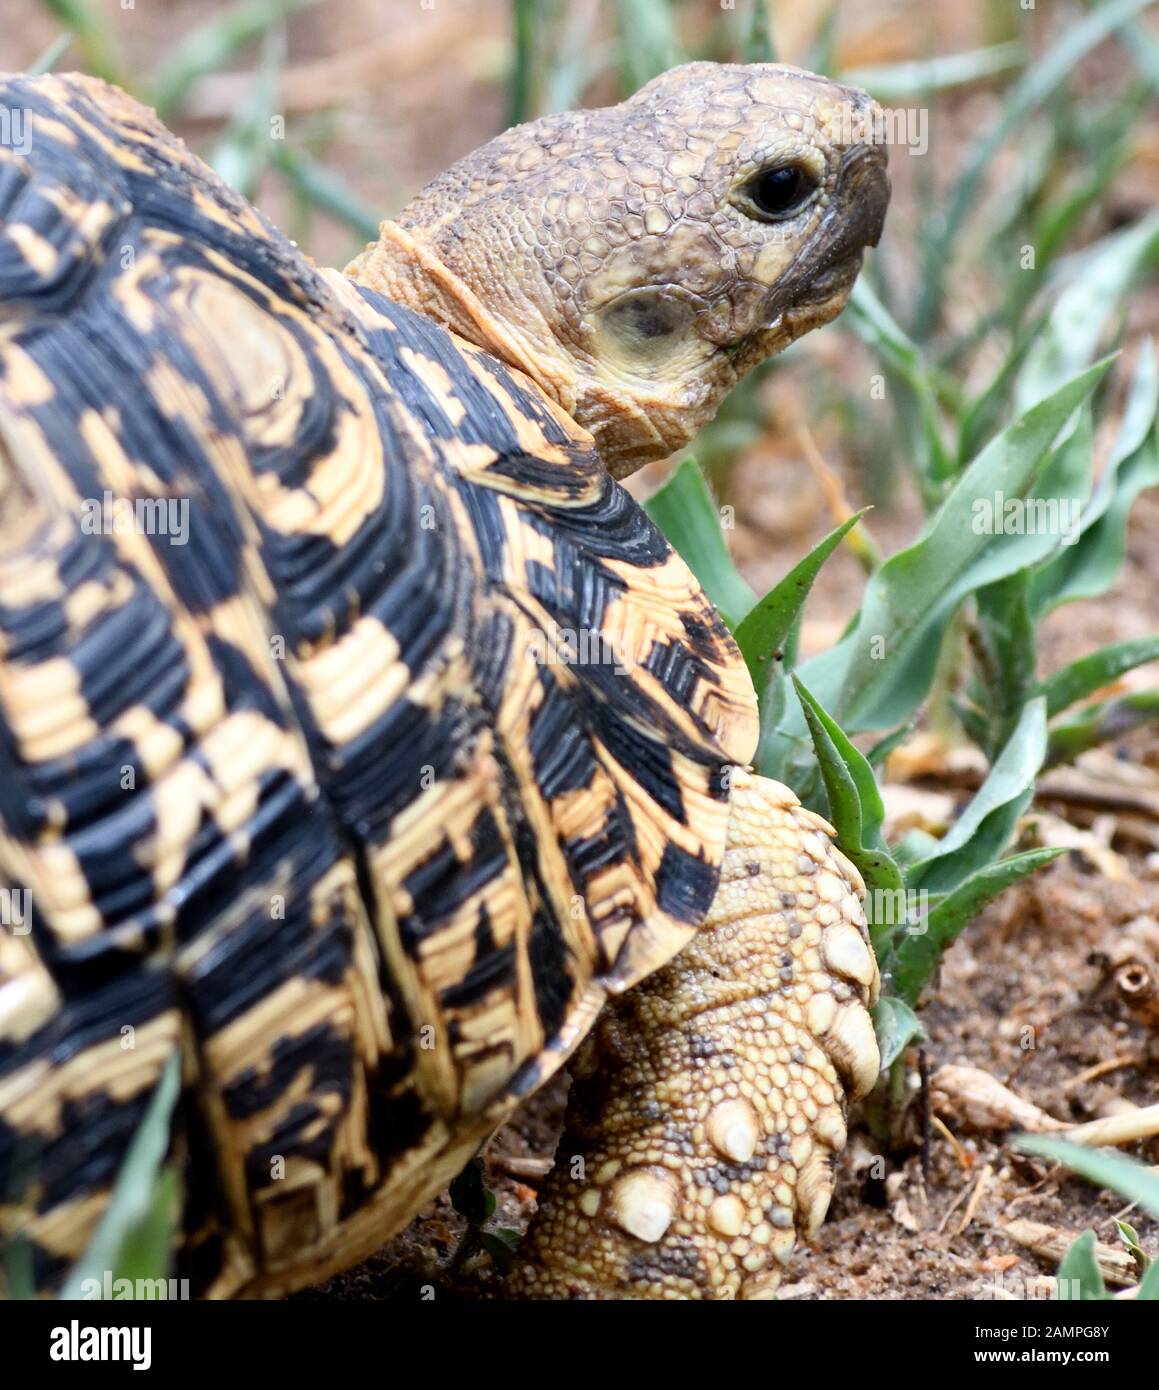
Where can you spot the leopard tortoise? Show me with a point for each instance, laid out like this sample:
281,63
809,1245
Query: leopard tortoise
365,746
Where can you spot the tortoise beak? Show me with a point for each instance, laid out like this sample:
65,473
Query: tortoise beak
865,191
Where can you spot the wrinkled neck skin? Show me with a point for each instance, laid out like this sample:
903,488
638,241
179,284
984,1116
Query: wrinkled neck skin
631,423
627,429
400,266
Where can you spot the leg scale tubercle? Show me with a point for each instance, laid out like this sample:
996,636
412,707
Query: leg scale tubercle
709,1101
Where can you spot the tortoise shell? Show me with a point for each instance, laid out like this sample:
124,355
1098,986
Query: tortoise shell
359,734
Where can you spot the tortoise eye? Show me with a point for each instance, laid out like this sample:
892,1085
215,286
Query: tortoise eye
778,191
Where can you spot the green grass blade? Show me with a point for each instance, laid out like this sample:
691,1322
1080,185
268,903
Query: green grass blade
211,45
1005,650
1144,52
1126,1176
94,38
874,325
767,628
884,746
855,805
1101,723
915,957
758,44
327,191
1058,219
978,418
520,102
852,763
1080,1270
1088,567
1148,1289
134,1237
1076,324
242,156
52,54
820,56
985,827
1095,670
684,510
1038,81
895,81
878,674
649,44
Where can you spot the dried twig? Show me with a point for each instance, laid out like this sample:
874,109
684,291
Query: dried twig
528,1170
984,1103
1141,1123
1050,1243
1108,1064
975,1197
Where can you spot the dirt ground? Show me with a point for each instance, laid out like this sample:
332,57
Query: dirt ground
1036,959
1044,957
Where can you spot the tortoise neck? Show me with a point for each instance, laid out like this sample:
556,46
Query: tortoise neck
401,267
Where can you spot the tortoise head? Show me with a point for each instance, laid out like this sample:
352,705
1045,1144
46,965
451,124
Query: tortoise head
637,260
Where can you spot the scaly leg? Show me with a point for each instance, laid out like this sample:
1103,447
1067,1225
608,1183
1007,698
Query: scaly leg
709,1101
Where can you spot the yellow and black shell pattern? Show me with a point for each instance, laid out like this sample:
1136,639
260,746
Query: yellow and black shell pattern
357,733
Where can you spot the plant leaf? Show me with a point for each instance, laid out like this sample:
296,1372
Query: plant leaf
1038,80
1095,670
211,45
501,1244
1130,1238
909,601
766,628
1006,634
684,510
1126,1176
1100,723
1089,566
134,1237
916,954
325,189
983,830
1148,1288
1077,321
52,55
893,80
896,1026
1080,1270
855,804
876,327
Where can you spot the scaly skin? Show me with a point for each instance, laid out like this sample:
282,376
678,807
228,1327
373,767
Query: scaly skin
709,1101
617,257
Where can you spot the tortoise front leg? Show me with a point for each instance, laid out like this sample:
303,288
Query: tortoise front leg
708,1102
